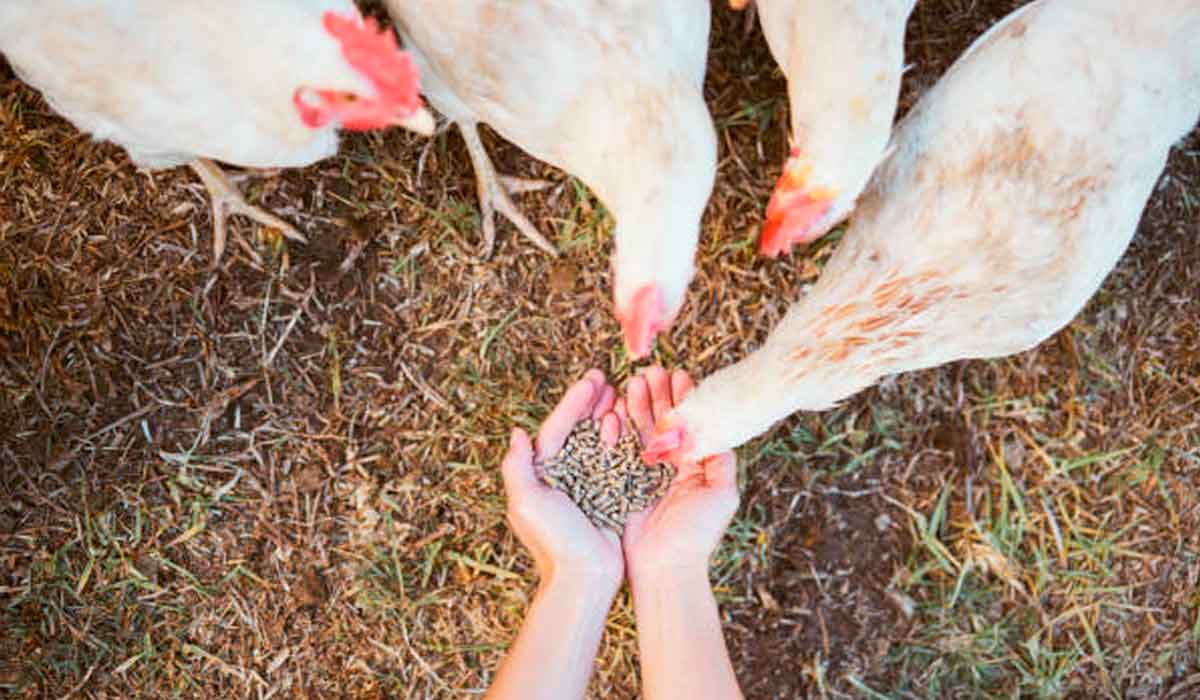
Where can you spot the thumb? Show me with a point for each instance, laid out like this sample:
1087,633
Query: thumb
720,471
517,468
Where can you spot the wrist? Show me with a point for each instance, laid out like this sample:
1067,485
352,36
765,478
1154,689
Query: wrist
586,584
667,575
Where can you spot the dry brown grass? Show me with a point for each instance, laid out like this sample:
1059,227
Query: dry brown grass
283,481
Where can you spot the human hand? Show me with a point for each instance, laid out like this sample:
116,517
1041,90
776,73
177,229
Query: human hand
680,532
563,542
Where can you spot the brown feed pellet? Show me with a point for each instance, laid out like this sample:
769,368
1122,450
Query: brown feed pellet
607,483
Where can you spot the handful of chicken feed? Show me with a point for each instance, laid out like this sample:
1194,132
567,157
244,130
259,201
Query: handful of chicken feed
606,482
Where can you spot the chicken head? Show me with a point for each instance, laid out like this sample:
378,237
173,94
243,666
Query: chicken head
374,52
796,209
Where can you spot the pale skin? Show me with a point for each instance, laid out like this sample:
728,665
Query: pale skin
580,568
664,555
667,549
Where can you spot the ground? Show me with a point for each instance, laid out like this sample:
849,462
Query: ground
279,478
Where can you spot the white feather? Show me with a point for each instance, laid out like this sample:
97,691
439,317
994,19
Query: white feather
174,80
609,92
1016,184
843,60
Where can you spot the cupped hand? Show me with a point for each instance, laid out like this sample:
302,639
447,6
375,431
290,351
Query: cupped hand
561,539
681,531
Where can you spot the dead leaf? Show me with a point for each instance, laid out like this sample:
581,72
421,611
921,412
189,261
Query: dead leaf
562,278
982,555
309,478
903,603
147,566
311,590
768,600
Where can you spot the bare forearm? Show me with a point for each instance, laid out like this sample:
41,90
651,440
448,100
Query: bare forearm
679,634
554,653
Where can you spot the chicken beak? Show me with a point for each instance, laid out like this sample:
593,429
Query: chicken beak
793,223
643,320
795,211
663,444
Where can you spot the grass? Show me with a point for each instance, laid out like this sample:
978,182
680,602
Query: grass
279,479
1026,578
1018,611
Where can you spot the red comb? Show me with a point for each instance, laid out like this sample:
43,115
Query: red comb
373,51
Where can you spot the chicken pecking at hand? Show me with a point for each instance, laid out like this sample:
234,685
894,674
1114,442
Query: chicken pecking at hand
260,84
607,90
1015,185
843,60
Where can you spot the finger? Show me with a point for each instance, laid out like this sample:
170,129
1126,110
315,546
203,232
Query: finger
610,429
621,411
720,471
691,471
595,376
600,383
604,402
638,402
621,408
660,391
517,468
681,384
576,404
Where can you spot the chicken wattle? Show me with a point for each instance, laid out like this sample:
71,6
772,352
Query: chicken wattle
843,60
610,92
256,84
1014,186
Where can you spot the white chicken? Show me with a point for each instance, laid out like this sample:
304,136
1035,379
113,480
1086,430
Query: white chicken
608,90
843,60
1015,185
257,84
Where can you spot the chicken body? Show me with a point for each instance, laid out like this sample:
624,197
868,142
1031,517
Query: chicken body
1016,184
174,82
843,60
607,90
